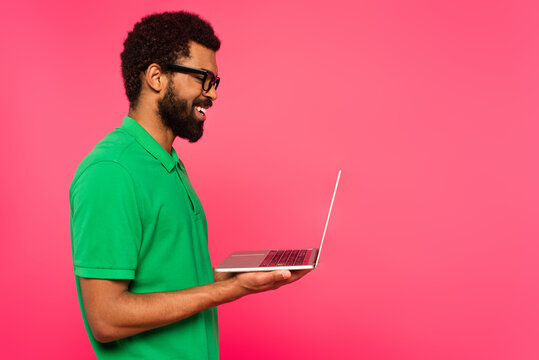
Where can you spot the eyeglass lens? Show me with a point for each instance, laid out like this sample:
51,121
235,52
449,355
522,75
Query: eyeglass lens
211,81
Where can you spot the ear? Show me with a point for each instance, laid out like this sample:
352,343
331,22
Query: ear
155,78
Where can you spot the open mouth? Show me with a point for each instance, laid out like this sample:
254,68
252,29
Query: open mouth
201,112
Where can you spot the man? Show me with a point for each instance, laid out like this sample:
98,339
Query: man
139,235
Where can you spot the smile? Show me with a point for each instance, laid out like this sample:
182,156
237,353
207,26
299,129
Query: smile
200,112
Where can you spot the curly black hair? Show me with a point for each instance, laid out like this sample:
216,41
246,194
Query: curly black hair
161,39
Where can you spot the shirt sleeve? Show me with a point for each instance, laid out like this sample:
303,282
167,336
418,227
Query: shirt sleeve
105,223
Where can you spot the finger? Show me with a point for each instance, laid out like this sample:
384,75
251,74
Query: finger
267,278
281,275
272,277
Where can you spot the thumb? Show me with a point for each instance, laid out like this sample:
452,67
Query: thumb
280,275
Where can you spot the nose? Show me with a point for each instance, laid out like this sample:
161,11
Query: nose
212,93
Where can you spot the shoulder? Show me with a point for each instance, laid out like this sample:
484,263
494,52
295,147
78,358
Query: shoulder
108,161
114,151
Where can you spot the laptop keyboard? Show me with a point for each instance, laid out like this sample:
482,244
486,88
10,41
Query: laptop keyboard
285,257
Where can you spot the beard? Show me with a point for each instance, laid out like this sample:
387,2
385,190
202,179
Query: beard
179,117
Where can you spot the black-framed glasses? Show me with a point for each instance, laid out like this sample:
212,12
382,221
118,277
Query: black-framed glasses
209,79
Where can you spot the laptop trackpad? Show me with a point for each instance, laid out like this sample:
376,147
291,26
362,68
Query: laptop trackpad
244,259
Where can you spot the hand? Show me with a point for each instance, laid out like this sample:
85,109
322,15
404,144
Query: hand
220,276
253,282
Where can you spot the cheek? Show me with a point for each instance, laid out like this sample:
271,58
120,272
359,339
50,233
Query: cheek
192,89
191,98
189,89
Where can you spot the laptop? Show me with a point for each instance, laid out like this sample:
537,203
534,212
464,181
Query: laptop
268,260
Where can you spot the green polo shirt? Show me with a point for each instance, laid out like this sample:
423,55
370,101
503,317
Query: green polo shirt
135,215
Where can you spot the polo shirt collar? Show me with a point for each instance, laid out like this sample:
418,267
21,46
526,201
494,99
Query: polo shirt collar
150,144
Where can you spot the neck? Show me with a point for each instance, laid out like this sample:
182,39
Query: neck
149,119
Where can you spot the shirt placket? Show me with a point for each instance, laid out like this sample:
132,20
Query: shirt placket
184,185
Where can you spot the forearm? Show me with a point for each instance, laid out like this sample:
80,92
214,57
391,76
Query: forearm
114,313
131,313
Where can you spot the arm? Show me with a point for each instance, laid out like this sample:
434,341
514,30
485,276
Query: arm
114,313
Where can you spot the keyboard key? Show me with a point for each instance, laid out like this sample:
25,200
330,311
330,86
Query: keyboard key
289,257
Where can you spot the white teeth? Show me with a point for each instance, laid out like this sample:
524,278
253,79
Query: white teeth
201,109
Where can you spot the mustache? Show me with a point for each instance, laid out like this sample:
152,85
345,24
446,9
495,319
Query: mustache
207,103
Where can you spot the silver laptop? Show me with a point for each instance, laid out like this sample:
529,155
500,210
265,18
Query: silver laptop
266,260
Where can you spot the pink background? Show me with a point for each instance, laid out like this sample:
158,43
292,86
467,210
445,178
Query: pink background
429,107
